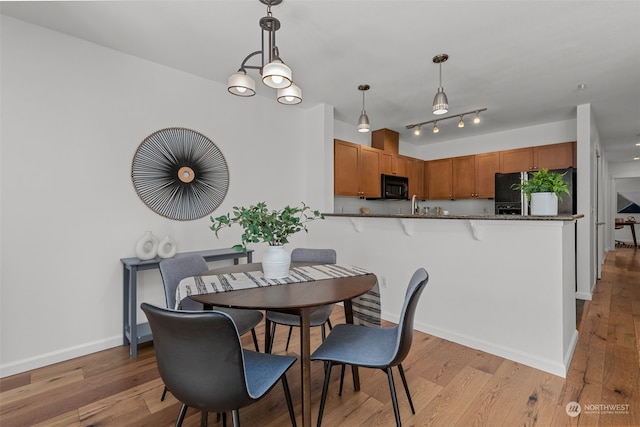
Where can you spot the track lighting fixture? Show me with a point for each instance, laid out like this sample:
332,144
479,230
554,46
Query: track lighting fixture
418,131
275,73
363,121
440,101
460,118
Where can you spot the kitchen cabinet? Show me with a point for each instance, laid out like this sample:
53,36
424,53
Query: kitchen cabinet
463,177
391,164
439,181
356,170
415,172
553,156
386,140
486,167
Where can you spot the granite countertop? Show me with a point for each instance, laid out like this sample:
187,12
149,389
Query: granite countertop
468,217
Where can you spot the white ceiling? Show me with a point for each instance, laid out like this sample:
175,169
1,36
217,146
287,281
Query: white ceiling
521,59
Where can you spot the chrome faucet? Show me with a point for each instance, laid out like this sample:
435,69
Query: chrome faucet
414,206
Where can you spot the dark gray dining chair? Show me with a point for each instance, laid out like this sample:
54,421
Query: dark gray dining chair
201,359
380,348
173,270
319,316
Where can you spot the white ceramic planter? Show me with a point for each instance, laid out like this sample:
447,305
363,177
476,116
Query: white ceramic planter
544,204
276,262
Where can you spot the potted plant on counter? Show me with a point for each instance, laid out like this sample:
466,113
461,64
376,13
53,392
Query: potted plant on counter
269,226
543,190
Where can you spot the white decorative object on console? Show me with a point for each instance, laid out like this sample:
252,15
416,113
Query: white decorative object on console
167,248
147,246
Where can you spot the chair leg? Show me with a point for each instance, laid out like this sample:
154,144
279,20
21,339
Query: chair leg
287,396
235,414
394,398
164,393
181,414
204,418
325,387
289,338
329,323
255,339
324,333
343,367
273,336
224,419
406,387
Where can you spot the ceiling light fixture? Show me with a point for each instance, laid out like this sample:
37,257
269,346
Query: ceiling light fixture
440,101
275,73
418,131
476,120
363,121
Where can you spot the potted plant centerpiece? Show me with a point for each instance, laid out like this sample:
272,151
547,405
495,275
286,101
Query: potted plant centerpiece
543,190
269,226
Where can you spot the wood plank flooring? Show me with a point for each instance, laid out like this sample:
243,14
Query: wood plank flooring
451,385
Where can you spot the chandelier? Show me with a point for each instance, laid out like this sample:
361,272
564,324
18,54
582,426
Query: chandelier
275,73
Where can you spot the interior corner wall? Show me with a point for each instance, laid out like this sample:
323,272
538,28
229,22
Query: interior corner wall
73,115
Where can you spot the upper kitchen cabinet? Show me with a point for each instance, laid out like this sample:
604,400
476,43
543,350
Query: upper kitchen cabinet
486,166
386,140
554,156
438,179
355,170
463,177
415,172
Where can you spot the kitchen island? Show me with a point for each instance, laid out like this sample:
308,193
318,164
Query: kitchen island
504,284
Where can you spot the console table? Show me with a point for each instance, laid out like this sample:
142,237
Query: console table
134,333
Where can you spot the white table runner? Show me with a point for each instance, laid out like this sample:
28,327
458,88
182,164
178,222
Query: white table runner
366,308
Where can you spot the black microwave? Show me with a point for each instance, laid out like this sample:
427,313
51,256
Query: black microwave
395,187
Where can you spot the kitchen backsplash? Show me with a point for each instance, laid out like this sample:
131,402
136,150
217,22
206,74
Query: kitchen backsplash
390,207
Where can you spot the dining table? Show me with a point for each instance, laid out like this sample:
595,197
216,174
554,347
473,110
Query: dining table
294,298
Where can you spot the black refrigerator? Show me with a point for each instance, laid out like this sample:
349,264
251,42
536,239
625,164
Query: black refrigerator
513,202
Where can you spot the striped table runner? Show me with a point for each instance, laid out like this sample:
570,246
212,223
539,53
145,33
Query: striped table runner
366,308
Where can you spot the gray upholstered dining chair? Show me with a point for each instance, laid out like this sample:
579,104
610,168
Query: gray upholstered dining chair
201,359
173,270
319,316
380,348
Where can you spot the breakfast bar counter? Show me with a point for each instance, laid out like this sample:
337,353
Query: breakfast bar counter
504,284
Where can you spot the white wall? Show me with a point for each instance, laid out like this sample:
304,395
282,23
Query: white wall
73,114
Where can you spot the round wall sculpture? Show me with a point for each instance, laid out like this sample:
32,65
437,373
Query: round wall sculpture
180,174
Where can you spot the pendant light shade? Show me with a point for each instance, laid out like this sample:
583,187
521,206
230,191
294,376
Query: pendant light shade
290,95
240,84
440,101
363,121
276,74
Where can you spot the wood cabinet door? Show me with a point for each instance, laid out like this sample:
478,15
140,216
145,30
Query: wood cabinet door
463,177
415,172
554,156
487,164
517,160
385,161
399,165
439,182
345,168
369,175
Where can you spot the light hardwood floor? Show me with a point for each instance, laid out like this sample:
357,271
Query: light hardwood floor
451,385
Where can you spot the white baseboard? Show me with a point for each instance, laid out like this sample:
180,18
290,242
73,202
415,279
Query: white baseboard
24,365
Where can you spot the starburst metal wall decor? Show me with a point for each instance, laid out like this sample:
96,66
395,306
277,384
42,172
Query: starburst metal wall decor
180,174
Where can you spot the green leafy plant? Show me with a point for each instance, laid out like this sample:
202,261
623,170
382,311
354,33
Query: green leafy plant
544,181
263,225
